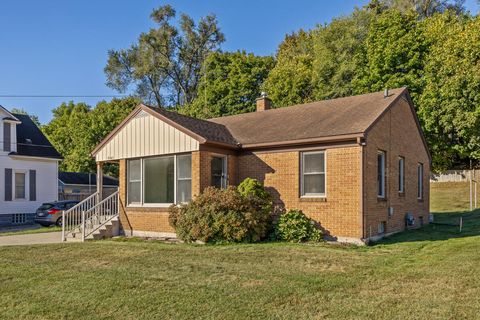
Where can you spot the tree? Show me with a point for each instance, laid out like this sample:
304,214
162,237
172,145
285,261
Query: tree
394,54
76,129
449,106
230,84
424,8
290,81
338,48
165,64
32,116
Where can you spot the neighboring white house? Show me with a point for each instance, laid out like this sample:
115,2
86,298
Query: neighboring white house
28,169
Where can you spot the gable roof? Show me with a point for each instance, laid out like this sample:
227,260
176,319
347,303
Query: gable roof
350,116
31,142
81,178
10,116
328,120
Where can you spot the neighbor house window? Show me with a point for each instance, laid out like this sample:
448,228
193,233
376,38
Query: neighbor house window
420,181
381,174
19,185
160,180
401,174
313,174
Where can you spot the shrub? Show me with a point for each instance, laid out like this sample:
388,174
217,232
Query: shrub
253,187
294,226
221,215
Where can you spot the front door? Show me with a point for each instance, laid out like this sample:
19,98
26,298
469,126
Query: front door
219,172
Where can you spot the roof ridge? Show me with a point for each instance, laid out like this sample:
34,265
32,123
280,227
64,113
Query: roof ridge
402,89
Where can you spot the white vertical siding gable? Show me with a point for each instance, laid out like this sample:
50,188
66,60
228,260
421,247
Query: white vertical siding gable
145,135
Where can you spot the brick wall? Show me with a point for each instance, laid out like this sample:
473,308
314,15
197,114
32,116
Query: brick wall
339,213
395,133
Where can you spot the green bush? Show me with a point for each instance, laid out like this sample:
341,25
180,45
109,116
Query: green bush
253,187
221,215
294,226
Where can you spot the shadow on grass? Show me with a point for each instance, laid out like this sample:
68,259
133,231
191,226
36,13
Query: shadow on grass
446,226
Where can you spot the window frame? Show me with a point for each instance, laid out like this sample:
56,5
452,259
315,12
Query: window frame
224,177
177,179
14,185
383,194
302,174
130,181
420,178
142,181
401,174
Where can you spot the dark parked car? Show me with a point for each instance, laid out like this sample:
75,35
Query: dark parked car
51,212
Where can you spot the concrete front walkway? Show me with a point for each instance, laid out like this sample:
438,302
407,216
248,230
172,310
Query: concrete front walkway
34,238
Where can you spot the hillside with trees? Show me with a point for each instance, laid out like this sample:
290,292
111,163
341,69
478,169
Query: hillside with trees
430,46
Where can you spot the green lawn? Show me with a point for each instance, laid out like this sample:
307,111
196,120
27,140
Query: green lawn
451,196
425,274
30,231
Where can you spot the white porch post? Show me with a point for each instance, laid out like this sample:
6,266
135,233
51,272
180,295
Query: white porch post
100,181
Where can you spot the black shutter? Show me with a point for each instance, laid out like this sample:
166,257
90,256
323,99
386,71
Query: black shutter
7,137
8,184
33,185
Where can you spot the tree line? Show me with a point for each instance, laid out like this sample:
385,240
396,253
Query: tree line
430,46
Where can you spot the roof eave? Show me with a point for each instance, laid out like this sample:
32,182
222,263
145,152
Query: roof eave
308,141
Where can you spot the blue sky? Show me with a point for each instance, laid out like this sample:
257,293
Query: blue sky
59,47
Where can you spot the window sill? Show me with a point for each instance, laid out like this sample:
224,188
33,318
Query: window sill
139,205
313,199
401,194
420,200
380,199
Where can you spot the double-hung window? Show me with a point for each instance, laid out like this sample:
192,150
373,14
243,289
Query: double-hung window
381,174
20,185
134,181
160,180
313,177
401,174
420,181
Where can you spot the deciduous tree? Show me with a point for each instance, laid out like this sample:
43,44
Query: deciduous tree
165,64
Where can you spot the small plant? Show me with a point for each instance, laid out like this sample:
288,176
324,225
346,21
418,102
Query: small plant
295,226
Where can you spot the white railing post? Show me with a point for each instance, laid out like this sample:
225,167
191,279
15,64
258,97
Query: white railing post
63,226
83,225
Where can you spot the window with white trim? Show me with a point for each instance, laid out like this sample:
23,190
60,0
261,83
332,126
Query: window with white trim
401,174
420,181
381,174
313,176
20,184
160,180
134,181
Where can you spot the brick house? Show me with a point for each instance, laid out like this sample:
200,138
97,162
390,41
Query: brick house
356,165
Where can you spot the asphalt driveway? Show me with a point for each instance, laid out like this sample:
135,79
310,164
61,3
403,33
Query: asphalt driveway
28,239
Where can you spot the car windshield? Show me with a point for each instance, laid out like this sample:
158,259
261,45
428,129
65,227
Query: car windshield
46,206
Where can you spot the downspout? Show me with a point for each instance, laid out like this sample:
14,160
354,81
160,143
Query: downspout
362,143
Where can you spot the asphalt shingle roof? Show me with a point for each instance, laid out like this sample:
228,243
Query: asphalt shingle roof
327,118
31,141
81,178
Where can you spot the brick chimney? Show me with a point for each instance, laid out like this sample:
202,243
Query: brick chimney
263,103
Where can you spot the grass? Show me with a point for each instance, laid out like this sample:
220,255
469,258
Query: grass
8,232
430,273
450,196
